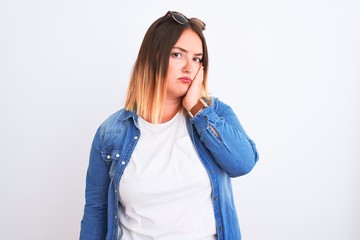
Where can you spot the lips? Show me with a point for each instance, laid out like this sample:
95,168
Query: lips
185,79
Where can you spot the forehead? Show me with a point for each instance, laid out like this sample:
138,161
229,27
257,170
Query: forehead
190,41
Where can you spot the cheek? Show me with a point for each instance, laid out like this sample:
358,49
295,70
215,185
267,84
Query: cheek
175,64
172,69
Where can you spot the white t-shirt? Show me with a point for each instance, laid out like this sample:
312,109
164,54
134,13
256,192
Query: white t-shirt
165,191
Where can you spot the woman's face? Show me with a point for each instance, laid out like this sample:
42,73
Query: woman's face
184,63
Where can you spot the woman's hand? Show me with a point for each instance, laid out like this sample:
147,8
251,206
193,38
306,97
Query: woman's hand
195,90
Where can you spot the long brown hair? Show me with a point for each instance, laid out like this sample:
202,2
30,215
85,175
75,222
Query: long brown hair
147,88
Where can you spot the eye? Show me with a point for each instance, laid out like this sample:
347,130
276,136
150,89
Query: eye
196,59
176,55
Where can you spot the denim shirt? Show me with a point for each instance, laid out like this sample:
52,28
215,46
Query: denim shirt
226,153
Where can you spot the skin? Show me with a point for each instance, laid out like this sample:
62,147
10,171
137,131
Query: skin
184,75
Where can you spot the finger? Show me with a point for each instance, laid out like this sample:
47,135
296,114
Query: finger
200,74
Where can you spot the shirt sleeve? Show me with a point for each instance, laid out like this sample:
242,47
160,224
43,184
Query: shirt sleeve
222,134
94,221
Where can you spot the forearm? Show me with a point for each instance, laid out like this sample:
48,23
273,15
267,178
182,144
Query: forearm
224,137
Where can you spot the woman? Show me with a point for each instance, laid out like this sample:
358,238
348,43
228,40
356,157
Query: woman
160,168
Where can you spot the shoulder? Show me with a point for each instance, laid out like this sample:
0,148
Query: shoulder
116,121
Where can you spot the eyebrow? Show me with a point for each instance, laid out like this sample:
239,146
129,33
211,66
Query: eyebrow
186,51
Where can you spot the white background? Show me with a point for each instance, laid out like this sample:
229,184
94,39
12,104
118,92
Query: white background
289,69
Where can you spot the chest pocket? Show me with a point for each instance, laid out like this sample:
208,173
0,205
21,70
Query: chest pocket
111,157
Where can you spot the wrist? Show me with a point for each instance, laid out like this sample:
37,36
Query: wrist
195,109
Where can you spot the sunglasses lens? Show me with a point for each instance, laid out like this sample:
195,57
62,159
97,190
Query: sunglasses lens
178,17
200,24
181,19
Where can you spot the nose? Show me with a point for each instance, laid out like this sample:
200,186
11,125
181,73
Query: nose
188,67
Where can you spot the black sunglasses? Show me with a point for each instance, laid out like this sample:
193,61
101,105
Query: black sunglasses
182,19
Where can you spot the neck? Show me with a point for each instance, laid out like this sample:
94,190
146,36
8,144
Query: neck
171,108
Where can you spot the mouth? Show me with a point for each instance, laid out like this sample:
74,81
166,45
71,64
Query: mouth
185,79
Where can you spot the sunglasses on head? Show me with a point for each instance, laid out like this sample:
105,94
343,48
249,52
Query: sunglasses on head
182,19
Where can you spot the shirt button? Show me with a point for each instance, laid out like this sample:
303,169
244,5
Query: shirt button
215,198
108,156
117,155
136,137
115,191
123,162
115,217
211,171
